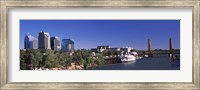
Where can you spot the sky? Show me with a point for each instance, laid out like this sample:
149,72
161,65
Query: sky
89,34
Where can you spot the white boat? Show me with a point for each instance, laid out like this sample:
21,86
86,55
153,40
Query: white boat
146,56
127,57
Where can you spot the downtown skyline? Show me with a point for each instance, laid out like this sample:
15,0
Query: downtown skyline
115,33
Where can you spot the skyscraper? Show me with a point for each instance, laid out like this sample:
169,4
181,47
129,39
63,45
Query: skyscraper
30,42
55,43
44,40
67,45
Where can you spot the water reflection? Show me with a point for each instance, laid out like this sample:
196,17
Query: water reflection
161,62
128,62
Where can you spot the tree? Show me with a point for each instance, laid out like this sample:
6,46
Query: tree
104,53
133,50
110,53
23,59
68,60
85,64
50,61
83,57
90,60
100,60
62,58
82,61
77,56
36,58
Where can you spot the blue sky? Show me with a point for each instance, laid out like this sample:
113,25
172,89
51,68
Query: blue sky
116,33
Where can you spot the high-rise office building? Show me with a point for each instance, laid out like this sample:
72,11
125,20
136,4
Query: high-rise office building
30,42
67,45
55,43
44,40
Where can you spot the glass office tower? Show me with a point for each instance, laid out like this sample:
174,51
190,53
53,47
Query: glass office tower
30,42
44,40
67,45
55,43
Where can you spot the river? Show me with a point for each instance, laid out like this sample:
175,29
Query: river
160,62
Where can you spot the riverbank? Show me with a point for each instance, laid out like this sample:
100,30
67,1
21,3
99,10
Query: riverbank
73,66
154,63
76,66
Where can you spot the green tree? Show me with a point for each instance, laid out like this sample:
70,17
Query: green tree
133,50
90,60
50,61
62,59
86,65
35,57
77,57
23,60
82,61
100,59
104,53
68,60
83,57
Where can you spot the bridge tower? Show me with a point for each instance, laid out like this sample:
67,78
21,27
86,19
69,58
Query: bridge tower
150,54
171,51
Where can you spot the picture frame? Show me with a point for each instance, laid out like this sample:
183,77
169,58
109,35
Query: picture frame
4,43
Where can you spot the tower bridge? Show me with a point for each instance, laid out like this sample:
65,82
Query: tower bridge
170,52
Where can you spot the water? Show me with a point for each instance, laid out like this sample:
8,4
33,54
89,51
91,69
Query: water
155,63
